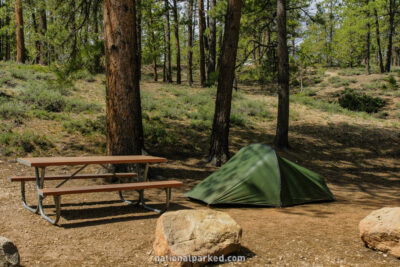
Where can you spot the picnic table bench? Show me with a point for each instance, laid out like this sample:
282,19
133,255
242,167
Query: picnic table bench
40,165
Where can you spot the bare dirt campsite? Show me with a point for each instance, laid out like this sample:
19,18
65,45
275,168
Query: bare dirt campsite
199,133
356,153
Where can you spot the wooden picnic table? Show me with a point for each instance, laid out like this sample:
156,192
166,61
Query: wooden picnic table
40,164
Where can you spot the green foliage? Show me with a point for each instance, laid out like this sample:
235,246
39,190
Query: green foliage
157,134
86,126
337,81
53,101
392,83
44,99
46,115
12,110
373,86
351,72
307,91
18,74
361,102
22,143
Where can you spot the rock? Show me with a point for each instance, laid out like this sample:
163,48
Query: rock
380,230
205,234
9,255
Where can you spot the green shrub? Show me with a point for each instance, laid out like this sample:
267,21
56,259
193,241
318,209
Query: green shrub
148,102
27,142
44,99
157,134
86,126
392,83
5,80
336,81
251,108
360,102
46,115
78,106
308,92
18,74
373,85
12,110
351,72
238,119
201,125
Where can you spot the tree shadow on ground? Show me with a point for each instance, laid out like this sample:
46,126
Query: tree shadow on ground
355,158
99,215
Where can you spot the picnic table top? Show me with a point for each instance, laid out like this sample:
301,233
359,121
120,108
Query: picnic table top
57,161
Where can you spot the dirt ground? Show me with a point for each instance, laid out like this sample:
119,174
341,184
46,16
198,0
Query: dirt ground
358,157
97,230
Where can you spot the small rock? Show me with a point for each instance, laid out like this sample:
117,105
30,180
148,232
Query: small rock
9,255
380,230
199,233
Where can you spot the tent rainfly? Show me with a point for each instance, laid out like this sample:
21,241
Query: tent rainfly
256,175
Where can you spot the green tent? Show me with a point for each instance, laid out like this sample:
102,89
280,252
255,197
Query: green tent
256,175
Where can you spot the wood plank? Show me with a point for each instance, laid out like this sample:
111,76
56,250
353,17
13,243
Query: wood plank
78,176
108,188
57,161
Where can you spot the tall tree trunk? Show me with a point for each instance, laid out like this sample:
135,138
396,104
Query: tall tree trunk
20,31
97,57
190,43
213,43
153,43
282,129
1,36
43,30
367,43
330,62
378,41
219,149
201,40
392,11
37,42
139,37
168,44
177,45
7,39
123,109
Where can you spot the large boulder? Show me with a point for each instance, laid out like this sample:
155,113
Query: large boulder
204,235
380,230
9,255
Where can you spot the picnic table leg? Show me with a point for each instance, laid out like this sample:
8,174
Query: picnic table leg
34,210
57,199
168,198
167,192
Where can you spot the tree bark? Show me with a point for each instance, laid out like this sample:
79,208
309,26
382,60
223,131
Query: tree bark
282,129
367,43
177,45
123,109
153,44
43,30
37,42
213,44
378,41
190,43
20,31
168,44
219,149
139,37
201,41
7,48
392,11
330,62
